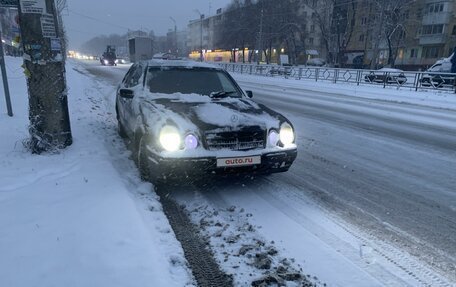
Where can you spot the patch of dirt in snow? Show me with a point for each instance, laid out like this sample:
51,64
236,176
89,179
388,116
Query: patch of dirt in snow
252,260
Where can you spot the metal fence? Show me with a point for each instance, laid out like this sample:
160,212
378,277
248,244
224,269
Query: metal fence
385,78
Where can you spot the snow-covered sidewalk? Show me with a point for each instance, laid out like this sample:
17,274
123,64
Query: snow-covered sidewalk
80,217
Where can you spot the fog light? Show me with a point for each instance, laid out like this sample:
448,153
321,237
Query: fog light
273,138
191,141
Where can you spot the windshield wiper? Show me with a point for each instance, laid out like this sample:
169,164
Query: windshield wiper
221,94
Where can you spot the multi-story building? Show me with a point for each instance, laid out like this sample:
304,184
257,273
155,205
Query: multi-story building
425,32
409,34
437,34
202,34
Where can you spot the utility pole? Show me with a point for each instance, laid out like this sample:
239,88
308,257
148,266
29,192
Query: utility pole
175,36
260,38
45,69
201,37
201,33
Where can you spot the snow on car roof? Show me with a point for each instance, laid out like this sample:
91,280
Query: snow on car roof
181,63
389,70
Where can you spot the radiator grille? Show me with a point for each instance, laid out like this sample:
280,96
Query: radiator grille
246,139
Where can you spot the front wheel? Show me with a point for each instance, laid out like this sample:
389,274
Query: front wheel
143,161
121,130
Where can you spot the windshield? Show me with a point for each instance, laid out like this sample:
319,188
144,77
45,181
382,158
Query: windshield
190,81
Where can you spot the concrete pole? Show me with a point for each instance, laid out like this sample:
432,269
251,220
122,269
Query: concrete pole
44,64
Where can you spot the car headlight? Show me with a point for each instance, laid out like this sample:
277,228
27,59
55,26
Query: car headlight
170,138
286,134
106,62
273,138
190,142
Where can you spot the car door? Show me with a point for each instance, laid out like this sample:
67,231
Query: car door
130,112
122,103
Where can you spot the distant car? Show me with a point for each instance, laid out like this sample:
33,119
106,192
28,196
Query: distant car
109,57
187,119
387,76
316,62
438,74
164,56
280,70
122,60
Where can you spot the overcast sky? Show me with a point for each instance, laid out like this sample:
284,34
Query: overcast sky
85,19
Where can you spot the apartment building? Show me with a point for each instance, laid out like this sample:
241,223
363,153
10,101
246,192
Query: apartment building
409,34
424,32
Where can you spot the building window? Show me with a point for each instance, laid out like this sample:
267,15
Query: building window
364,21
311,40
431,52
432,29
361,38
454,30
434,8
419,13
312,28
413,53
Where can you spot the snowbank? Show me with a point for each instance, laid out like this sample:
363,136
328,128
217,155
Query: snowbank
75,218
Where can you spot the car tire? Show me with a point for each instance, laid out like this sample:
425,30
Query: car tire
142,160
121,130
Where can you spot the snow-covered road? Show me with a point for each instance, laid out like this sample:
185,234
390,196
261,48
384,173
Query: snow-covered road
388,167
384,168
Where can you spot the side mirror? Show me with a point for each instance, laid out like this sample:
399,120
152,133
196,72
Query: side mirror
126,93
249,94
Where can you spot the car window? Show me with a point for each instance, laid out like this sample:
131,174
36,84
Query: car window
190,81
227,84
127,77
134,75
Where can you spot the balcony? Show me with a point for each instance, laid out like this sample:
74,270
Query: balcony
432,39
436,18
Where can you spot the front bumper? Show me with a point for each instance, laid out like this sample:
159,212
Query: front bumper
271,162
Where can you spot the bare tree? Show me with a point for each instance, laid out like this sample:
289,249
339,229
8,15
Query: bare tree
261,25
236,30
388,20
283,26
336,20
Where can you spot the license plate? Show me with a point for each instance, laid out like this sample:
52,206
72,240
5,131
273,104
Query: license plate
238,161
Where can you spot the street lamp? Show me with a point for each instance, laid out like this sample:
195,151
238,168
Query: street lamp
201,33
175,34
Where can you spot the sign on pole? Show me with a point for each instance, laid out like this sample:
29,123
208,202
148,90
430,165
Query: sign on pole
33,6
9,3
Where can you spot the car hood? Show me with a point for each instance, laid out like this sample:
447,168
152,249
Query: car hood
201,113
